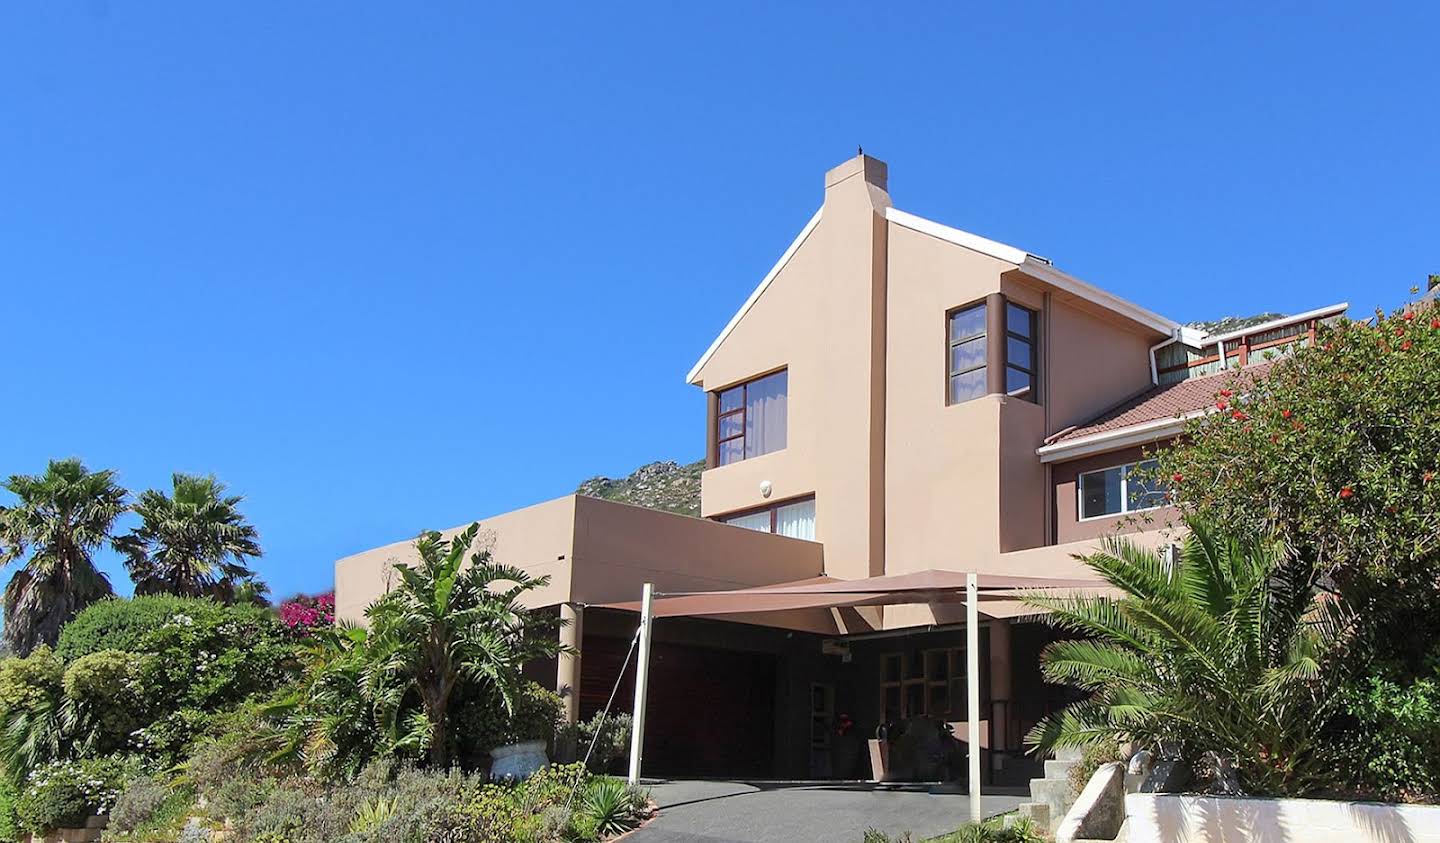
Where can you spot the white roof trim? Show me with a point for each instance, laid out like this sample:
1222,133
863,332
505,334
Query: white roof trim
1317,313
1114,440
974,242
1074,286
750,302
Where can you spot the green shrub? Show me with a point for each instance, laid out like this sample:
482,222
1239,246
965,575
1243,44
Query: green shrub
9,823
63,794
536,716
613,741
1091,759
993,831
1391,738
33,730
103,686
118,623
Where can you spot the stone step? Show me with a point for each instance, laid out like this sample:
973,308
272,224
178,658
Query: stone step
1071,754
1056,795
1056,768
1038,812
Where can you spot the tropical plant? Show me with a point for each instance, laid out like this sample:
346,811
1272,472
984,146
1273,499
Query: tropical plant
61,518
1226,654
453,622
609,805
193,542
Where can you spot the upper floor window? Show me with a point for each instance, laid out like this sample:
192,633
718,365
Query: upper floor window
967,353
980,364
1121,489
796,520
1020,352
750,419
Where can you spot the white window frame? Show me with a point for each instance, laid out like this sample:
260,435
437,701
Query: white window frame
1124,469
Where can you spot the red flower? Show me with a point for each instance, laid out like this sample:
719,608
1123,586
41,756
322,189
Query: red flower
1179,478
1400,331
1239,415
1405,346
1227,393
1220,405
1435,323
1409,315
1429,475
1284,414
1346,492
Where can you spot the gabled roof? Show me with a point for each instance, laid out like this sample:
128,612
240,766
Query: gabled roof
1033,265
1156,413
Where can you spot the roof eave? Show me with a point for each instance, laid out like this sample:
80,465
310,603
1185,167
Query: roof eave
1113,440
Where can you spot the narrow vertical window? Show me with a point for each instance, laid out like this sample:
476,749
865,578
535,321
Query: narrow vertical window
751,418
1020,363
968,346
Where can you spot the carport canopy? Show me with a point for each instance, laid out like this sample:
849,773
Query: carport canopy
929,586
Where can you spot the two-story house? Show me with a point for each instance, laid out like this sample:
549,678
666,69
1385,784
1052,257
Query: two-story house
895,396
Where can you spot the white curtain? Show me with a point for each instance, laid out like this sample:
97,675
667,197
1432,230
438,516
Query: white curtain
796,520
755,521
765,412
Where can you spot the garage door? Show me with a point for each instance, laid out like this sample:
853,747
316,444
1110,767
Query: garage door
711,712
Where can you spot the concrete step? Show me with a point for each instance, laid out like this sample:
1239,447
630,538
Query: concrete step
1038,812
1072,754
1056,768
1057,797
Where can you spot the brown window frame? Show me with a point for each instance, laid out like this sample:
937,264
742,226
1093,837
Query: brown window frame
772,508
1031,392
741,411
951,344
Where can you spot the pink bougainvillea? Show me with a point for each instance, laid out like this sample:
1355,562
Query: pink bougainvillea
304,614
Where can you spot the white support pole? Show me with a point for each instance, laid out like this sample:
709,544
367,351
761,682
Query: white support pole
972,690
642,681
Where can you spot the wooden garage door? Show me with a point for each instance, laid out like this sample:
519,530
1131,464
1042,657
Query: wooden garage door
711,712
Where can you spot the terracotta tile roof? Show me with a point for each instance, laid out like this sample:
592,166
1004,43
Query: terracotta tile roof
1162,402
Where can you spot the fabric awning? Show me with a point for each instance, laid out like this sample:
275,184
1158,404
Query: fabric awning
930,586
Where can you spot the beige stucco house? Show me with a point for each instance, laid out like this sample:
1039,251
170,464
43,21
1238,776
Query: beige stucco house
895,396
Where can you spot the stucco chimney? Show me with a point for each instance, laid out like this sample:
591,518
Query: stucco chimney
862,169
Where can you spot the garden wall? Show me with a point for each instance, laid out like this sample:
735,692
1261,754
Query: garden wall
1166,818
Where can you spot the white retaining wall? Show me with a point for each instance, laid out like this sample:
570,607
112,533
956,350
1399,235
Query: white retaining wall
1171,818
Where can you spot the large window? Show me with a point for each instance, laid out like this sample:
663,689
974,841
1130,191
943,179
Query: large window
973,353
795,519
1020,365
967,353
751,419
1122,489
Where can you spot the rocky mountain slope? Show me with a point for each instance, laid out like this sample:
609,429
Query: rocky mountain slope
663,485
1233,323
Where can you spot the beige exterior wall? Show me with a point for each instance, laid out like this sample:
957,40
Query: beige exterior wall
603,552
823,319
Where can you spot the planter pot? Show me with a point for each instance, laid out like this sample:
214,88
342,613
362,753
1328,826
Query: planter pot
1167,818
517,761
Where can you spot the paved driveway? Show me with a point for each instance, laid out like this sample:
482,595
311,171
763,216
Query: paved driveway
758,812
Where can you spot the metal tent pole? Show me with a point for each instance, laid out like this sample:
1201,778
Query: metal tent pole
642,681
972,690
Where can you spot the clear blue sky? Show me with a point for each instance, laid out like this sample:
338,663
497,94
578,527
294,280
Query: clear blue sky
389,266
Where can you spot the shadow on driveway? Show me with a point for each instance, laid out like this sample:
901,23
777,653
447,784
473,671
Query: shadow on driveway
791,812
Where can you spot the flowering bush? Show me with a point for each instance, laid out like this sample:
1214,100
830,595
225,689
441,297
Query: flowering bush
63,794
303,615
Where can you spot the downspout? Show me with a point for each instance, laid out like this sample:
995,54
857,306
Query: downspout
1154,372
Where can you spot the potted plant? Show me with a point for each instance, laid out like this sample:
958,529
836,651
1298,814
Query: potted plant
519,739
845,749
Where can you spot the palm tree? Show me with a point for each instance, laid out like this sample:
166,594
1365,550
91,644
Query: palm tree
61,518
452,623
1227,654
192,543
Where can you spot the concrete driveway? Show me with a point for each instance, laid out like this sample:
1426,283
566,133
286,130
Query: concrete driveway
787,812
